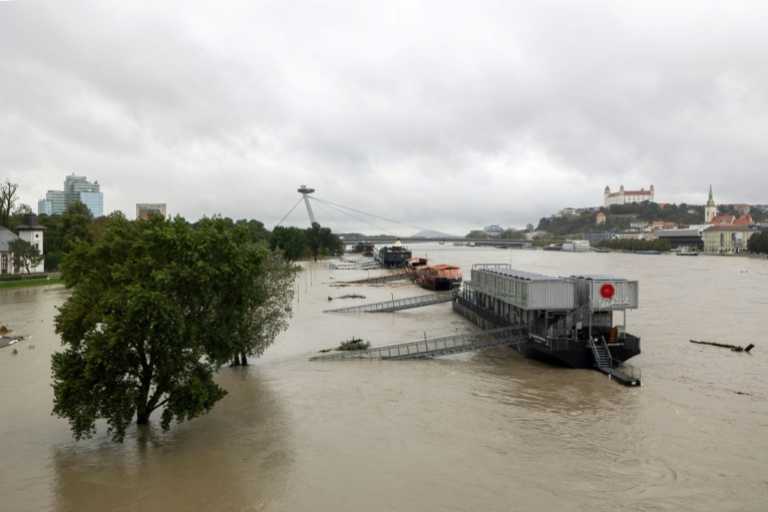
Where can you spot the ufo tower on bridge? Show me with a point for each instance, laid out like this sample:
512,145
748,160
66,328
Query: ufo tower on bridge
305,192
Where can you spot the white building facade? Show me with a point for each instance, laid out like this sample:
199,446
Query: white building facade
32,233
623,196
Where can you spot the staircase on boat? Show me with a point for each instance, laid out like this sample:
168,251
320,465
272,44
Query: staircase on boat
627,375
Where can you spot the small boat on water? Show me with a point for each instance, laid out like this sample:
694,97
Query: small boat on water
364,248
688,252
438,277
416,262
393,256
575,246
7,341
553,247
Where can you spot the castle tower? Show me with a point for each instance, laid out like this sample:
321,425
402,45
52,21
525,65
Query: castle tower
32,232
710,211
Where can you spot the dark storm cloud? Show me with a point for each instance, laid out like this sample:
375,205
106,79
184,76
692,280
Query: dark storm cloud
450,115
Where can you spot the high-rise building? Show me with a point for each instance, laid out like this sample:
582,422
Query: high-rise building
145,210
44,207
76,188
94,201
55,202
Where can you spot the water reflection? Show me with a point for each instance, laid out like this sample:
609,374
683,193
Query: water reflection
236,458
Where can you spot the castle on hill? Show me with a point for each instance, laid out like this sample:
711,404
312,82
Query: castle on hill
627,196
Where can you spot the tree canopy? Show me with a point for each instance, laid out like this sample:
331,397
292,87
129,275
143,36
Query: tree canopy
758,243
297,243
156,308
25,255
477,234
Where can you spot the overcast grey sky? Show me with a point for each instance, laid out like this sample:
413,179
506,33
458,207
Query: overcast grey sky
450,114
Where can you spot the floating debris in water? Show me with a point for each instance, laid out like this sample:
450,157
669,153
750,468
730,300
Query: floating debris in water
734,348
354,344
7,341
351,344
348,296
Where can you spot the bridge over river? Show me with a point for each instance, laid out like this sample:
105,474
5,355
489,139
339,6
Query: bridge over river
308,197
492,242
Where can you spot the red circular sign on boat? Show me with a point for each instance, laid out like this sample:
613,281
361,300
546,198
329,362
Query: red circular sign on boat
607,291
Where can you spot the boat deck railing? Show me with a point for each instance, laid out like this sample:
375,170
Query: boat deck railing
481,311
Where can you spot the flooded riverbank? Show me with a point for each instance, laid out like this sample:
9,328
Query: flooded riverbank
487,431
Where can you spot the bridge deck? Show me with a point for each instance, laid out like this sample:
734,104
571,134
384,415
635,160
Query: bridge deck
432,347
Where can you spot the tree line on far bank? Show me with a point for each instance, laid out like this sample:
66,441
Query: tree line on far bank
76,224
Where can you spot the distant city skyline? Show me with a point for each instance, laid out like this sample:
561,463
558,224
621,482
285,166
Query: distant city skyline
76,188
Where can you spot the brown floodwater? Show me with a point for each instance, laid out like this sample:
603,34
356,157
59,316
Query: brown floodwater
488,431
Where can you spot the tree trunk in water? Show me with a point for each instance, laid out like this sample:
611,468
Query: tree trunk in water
142,416
240,359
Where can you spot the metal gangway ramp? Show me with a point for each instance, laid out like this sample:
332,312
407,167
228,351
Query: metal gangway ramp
379,279
389,306
432,347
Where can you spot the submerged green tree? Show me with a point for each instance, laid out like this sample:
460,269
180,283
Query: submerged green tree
156,308
291,241
271,310
758,243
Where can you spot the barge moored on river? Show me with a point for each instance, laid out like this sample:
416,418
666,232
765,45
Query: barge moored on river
440,277
393,256
575,321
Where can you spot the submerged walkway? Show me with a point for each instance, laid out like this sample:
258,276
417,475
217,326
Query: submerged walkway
379,279
432,347
390,306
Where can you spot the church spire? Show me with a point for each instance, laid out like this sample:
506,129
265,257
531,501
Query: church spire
710,211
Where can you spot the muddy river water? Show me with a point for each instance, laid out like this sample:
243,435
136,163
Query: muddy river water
489,431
